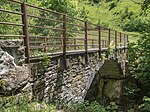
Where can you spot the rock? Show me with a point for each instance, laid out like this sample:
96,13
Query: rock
11,43
12,77
6,62
111,69
14,48
28,87
112,89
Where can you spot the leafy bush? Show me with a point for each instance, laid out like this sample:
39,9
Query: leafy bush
146,104
85,107
112,5
62,6
139,60
139,64
22,103
112,107
135,25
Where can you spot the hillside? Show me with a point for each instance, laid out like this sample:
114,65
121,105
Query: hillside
125,15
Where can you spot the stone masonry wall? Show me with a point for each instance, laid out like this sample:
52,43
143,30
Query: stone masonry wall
53,84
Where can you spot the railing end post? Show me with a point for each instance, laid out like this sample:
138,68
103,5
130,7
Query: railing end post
99,41
25,32
64,42
86,43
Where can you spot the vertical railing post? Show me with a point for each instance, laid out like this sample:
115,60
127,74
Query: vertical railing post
115,40
127,40
92,43
124,43
86,43
109,37
116,44
120,42
99,40
75,44
45,43
64,42
25,32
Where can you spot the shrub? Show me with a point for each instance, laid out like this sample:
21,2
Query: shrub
85,107
146,104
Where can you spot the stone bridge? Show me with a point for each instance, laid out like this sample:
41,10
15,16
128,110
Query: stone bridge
67,60
99,79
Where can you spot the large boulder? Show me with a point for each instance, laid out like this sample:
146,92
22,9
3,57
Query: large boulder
13,78
14,47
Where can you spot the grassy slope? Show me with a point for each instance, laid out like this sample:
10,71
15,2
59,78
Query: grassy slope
111,18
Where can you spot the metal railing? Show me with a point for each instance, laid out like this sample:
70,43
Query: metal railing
48,32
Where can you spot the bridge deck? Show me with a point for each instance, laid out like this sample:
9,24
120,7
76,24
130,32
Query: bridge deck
72,52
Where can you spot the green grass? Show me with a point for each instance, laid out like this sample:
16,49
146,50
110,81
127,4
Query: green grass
112,18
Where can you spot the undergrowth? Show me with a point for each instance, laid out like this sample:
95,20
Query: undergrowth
22,103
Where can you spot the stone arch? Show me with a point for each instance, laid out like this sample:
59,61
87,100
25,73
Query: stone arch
107,84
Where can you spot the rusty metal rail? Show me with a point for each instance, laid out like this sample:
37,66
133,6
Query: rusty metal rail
47,32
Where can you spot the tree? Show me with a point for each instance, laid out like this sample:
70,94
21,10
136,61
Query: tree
145,5
139,65
62,6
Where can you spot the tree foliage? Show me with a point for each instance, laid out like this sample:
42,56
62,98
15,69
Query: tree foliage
62,6
139,63
146,4
140,59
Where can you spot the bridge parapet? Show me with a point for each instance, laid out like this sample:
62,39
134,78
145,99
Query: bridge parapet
55,33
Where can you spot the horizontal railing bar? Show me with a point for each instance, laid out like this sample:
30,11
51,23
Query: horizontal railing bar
18,13
104,31
45,9
92,34
77,38
46,28
75,45
92,39
1,35
38,42
75,25
103,36
45,18
73,31
13,24
104,40
93,45
48,54
35,36
37,47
